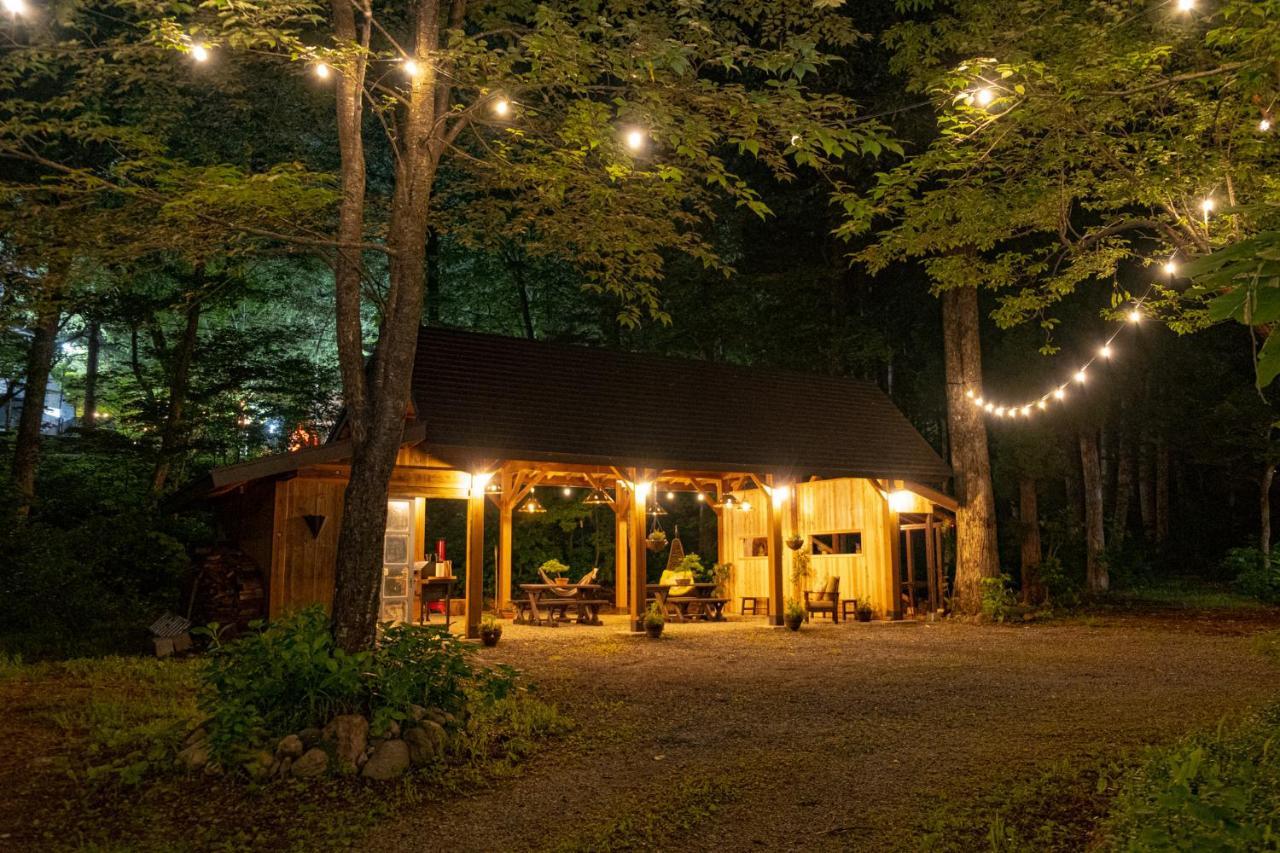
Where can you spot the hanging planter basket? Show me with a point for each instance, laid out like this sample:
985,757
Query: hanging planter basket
795,543
656,541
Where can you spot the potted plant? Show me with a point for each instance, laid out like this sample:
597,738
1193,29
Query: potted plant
718,574
490,631
794,614
795,541
864,612
801,568
556,570
654,621
657,540
692,564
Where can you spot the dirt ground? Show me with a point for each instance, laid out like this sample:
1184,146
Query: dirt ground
839,737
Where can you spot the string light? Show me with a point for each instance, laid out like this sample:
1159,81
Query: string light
984,96
1135,316
1186,5
410,67
566,491
501,107
1080,376
1105,352
1207,206
671,496
1171,268
15,7
701,497
1059,393
322,71
635,139
199,52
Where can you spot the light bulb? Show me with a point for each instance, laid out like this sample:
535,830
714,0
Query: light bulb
1264,125
1171,268
983,97
1042,404
501,107
969,393
1000,411
1206,205
322,71
1026,411
199,52
1186,5
671,496
1059,393
411,68
566,491
15,7
1080,376
978,401
701,497
990,407
635,139
1105,352
1135,316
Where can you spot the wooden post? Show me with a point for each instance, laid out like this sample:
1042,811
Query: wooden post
621,545
931,561
475,563
895,563
639,555
911,576
504,552
775,507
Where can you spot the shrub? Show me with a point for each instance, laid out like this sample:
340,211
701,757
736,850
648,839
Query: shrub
1209,792
998,600
654,617
794,609
1254,573
289,675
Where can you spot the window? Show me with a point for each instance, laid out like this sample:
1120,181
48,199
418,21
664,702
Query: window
823,544
755,546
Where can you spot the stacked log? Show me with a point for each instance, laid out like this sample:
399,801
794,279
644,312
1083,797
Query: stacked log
229,589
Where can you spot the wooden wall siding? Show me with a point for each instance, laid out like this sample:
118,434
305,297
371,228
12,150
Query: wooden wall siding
303,566
822,506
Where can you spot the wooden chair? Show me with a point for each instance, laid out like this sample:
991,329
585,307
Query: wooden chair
826,600
754,605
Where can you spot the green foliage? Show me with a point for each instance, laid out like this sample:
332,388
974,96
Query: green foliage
1218,791
1253,573
998,599
794,609
801,566
289,675
692,563
654,616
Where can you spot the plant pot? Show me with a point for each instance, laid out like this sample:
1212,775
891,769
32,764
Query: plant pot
562,581
864,615
795,542
793,622
655,544
654,631
490,638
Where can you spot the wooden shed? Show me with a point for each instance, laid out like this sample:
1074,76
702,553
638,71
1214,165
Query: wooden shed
827,465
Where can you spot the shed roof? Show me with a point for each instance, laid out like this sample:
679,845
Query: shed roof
482,396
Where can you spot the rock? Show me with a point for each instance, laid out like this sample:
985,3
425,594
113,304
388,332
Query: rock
350,735
417,712
283,769
389,760
436,716
426,742
393,729
310,736
196,736
195,756
313,762
261,765
290,746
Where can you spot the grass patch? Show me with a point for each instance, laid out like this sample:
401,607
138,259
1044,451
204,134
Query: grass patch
1186,595
682,808
91,766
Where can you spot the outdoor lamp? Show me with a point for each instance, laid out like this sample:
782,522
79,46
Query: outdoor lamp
901,500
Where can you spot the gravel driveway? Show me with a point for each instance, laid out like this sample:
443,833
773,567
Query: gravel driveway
838,737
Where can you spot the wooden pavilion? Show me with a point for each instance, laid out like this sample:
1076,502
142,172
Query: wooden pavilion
821,463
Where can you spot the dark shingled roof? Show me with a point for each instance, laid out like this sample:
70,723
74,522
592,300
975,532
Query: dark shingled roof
487,396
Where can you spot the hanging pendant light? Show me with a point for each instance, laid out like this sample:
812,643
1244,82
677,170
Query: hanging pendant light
494,488
730,502
655,509
532,505
598,497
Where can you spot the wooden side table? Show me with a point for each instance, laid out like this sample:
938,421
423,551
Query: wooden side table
848,606
759,605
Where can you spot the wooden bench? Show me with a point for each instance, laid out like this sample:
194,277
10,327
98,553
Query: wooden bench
710,608
555,611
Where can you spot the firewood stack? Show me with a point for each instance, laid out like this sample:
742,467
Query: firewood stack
229,589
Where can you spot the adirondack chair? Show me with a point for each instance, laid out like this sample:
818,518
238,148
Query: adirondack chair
825,600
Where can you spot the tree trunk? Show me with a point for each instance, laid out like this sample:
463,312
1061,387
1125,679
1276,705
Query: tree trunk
976,555
1096,579
1125,473
1033,591
1162,491
26,455
377,412
173,431
1264,508
1147,490
522,292
89,417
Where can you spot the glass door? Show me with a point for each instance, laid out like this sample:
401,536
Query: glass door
397,563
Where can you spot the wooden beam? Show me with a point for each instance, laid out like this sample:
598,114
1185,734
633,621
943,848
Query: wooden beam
933,496
621,545
475,563
505,538
773,523
639,556
895,565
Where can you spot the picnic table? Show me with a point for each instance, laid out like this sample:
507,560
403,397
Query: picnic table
702,601
540,597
